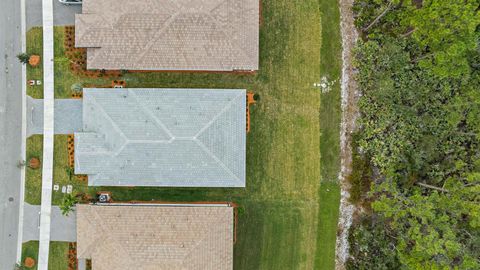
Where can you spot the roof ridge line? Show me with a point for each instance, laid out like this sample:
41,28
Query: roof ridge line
157,34
115,126
209,233
234,44
205,148
149,113
222,111
112,241
83,254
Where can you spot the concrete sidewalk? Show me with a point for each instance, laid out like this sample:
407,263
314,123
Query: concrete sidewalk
62,228
48,132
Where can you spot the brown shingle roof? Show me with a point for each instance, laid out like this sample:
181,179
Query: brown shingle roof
155,237
218,35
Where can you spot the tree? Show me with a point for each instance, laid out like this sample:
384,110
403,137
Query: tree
419,74
67,204
434,231
446,32
23,57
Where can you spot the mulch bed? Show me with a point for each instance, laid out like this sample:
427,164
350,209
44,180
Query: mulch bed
120,83
29,262
34,163
78,58
34,60
72,256
77,95
71,150
71,156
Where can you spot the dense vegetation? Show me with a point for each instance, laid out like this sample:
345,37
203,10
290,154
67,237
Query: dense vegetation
419,135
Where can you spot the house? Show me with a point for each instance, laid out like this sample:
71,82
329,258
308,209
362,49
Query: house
162,137
190,35
155,237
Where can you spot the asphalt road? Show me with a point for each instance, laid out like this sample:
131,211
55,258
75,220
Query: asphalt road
10,129
11,113
62,14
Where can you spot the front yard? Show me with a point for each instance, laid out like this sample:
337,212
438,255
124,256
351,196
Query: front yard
288,218
58,259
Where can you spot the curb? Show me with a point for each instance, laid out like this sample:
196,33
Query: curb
24,134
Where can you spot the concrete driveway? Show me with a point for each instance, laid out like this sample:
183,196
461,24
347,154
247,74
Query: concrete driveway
68,116
62,228
62,14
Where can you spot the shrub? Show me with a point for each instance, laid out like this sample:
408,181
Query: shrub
76,87
361,176
23,57
371,246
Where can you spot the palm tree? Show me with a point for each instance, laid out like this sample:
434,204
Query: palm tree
67,204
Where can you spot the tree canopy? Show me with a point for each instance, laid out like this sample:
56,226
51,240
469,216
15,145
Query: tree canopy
419,74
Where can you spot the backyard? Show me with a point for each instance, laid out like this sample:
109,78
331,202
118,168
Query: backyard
289,208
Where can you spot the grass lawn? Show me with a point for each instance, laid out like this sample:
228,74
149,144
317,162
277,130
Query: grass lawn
58,254
289,219
60,173
330,117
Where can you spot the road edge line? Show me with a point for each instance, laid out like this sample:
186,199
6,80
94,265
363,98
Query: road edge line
24,133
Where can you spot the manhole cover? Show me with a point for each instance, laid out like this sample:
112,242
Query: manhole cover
10,199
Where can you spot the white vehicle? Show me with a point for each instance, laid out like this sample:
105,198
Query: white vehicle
71,2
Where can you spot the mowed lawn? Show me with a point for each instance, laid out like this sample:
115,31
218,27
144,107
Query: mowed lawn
282,209
58,259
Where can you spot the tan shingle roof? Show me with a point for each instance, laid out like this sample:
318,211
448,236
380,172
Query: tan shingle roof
220,35
155,237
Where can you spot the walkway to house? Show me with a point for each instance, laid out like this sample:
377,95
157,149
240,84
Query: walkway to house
48,131
63,228
68,116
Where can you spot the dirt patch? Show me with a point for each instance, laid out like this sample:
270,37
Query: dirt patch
350,113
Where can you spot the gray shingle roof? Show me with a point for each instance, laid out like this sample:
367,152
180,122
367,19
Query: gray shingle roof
162,137
130,237
217,35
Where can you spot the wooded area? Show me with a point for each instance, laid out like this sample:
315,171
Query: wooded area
416,166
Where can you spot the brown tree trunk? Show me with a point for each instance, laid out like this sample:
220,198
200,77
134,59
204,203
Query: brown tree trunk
431,187
387,9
